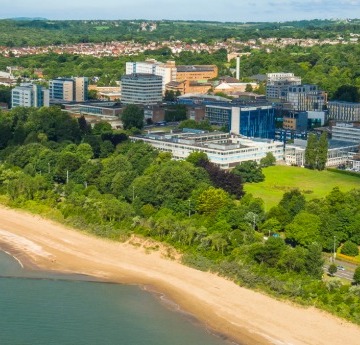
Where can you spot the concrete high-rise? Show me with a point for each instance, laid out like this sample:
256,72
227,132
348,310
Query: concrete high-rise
29,95
69,89
141,88
167,71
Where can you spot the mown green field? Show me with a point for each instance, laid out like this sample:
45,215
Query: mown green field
314,184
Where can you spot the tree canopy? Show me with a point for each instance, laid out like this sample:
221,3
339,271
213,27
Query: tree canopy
132,116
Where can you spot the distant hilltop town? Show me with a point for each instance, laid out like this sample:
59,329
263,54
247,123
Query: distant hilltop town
129,48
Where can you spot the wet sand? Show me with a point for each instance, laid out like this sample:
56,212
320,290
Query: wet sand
246,316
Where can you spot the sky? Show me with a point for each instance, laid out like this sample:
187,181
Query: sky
214,10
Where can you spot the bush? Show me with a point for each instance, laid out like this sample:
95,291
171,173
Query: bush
344,172
350,248
332,269
357,276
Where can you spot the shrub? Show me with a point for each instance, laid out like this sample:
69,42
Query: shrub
350,248
357,276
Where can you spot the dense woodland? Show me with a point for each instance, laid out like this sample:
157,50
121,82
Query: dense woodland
95,179
50,32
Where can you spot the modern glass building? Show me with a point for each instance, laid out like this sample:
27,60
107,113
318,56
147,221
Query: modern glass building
141,88
250,121
29,95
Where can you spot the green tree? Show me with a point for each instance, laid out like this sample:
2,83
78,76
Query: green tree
332,269
212,200
84,152
293,202
197,156
271,226
271,252
347,93
356,276
314,261
249,88
304,229
101,127
202,125
249,171
311,151
67,163
293,259
350,248
132,116
322,151
268,160
169,96
84,126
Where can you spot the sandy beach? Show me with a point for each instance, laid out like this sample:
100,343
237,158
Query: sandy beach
244,315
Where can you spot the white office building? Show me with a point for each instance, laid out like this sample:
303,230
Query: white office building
138,88
223,149
346,132
29,95
167,71
339,153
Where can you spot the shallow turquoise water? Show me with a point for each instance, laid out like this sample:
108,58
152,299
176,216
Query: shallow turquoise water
38,308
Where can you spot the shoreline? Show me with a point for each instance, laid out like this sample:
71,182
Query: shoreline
221,306
165,300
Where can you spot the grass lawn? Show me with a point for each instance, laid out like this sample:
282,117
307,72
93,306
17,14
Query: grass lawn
314,184
99,28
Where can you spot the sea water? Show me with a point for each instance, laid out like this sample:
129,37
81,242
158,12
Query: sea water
42,308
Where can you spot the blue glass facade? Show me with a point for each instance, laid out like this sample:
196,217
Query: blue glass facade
255,122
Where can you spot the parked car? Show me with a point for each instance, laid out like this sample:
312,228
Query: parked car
340,268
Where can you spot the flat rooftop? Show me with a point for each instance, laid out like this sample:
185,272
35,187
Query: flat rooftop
220,141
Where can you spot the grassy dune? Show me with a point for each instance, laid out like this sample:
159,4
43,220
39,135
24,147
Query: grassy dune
314,184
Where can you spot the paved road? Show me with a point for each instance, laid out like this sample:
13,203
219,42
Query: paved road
348,273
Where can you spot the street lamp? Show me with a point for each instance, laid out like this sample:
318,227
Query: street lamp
334,249
189,207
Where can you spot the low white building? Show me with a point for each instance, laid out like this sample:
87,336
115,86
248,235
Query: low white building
223,149
346,132
355,164
339,153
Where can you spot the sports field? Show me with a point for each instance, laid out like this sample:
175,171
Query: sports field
313,183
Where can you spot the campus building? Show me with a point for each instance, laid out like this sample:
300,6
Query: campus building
185,86
304,120
169,72
29,95
346,132
196,72
102,110
69,89
255,121
344,111
277,82
141,88
339,152
304,97
223,149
